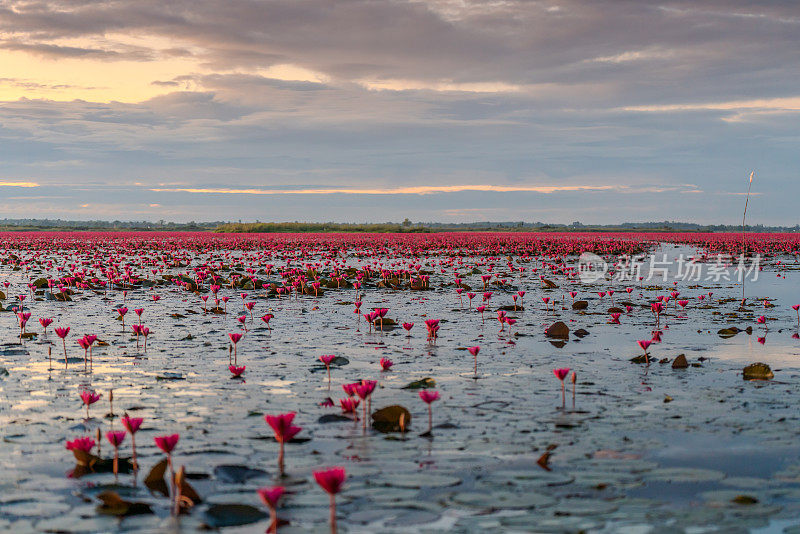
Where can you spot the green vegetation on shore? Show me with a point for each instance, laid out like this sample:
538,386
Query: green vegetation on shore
298,227
33,225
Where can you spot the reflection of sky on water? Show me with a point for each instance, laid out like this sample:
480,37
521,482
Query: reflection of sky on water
682,333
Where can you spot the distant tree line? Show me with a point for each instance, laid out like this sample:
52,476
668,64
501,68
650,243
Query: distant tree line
406,226
61,224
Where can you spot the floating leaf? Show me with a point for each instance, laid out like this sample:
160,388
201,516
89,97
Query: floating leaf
188,496
558,330
680,362
237,474
393,418
726,333
155,478
422,383
113,504
757,371
232,515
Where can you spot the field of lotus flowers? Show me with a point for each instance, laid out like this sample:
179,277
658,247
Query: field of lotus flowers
453,382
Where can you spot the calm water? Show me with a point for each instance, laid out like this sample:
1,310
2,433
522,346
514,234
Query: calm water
645,450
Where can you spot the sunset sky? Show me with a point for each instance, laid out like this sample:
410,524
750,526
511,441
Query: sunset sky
440,110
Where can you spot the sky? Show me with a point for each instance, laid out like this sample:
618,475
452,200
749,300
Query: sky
368,111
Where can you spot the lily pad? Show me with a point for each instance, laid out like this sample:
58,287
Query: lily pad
757,371
113,504
423,383
393,418
237,474
232,515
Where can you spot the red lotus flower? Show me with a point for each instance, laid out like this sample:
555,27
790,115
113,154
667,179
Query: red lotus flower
235,337
349,405
428,396
167,443
331,480
131,424
115,437
271,496
282,426
562,373
85,444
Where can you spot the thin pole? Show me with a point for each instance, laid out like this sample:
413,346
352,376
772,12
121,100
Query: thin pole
746,201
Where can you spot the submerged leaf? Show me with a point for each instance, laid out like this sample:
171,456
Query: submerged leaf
232,515
393,418
155,478
423,383
113,504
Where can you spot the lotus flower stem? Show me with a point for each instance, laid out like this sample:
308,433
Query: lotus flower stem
333,513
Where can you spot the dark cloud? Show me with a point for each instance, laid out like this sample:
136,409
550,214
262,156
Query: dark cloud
51,51
518,91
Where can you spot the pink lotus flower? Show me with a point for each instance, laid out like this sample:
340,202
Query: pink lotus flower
131,424
115,437
645,344
270,497
85,444
167,443
350,389
282,426
284,431
331,480
235,337
327,359
236,371
349,405
562,373
474,351
386,364
428,397
89,398
656,336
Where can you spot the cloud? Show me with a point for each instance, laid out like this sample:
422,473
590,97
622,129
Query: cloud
18,184
618,106
52,51
417,190
769,104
